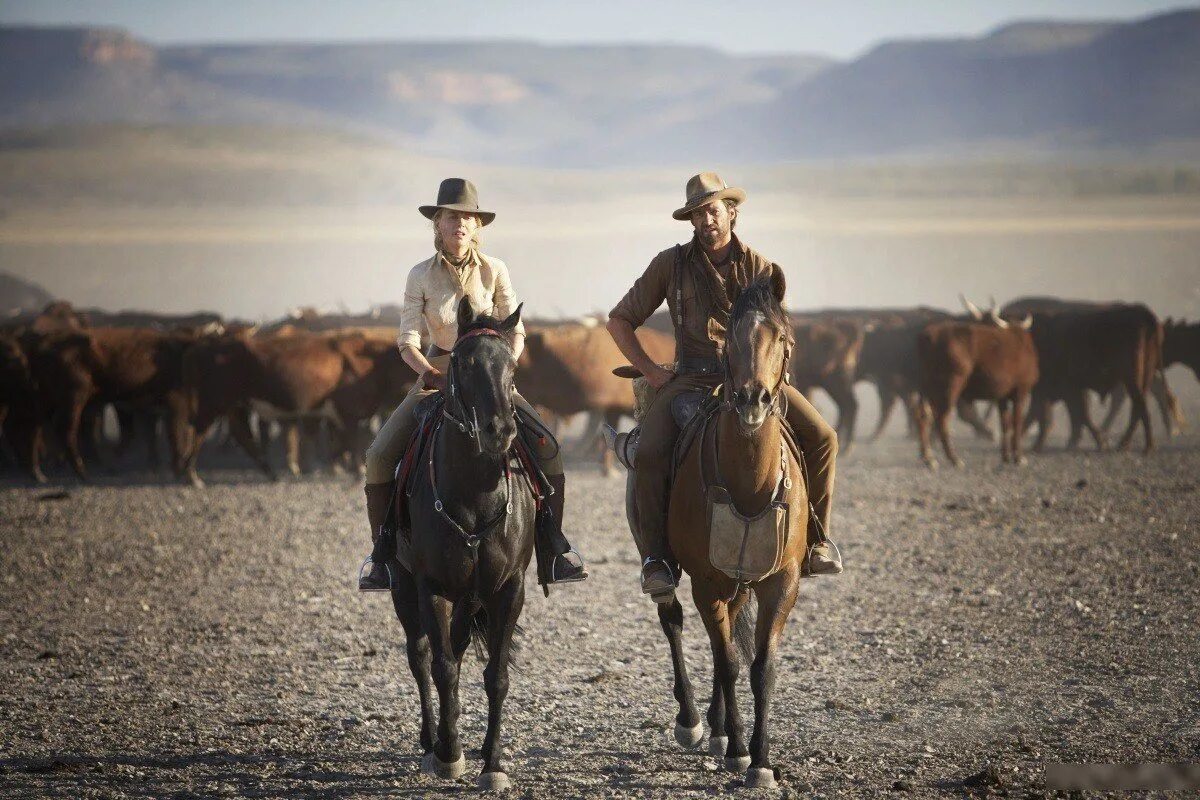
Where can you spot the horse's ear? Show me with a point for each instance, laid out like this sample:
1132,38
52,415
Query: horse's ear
778,283
513,320
466,312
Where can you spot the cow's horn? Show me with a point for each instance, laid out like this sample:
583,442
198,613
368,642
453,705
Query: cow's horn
996,318
971,308
1027,323
992,300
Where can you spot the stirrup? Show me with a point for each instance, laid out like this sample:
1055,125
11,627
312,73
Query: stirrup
583,574
365,570
663,595
808,559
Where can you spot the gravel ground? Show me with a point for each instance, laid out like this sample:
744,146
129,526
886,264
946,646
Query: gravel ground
171,642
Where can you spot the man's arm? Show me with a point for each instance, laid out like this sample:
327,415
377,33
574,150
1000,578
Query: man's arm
625,337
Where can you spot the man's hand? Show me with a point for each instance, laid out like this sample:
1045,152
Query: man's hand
659,377
434,378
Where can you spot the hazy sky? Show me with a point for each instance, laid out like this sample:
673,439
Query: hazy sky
752,26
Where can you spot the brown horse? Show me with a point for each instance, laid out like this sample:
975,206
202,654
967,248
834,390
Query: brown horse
749,455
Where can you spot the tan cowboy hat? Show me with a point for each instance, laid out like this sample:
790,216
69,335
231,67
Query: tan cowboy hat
458,194
705,187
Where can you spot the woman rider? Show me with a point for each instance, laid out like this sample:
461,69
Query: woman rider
431,297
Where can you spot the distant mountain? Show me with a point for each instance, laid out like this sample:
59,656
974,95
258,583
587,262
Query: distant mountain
1031,86
20,296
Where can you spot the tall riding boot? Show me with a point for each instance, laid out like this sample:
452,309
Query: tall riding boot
378,571
557,560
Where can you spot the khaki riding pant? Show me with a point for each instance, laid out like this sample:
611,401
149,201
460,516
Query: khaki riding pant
388,448
652,476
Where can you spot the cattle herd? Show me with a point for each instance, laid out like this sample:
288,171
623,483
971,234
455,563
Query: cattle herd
323,381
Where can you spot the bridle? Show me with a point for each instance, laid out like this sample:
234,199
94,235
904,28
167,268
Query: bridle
774,397
454,399
472,539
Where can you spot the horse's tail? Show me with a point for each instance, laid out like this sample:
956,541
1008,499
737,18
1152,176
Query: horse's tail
743,627
479,631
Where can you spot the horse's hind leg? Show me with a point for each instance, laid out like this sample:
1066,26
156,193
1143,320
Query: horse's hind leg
503,611
405,602
688,730
776,598
437,612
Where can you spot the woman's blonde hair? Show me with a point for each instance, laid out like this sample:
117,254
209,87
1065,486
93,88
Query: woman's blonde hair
476,240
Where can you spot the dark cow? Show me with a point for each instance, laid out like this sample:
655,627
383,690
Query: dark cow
344,379
1172,415
1096,347
826,355
1181,345
994,360
20,412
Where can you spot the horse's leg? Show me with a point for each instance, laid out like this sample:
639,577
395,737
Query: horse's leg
688,730
404,599
437,616
718,619
503,611
776,597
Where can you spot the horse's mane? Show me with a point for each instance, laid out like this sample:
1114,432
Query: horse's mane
758,297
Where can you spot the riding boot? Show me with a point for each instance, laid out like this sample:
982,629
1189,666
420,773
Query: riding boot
379,571
557,560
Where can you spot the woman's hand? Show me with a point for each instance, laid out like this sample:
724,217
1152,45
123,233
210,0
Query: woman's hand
434,378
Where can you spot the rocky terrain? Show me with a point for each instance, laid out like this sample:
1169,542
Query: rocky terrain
171,642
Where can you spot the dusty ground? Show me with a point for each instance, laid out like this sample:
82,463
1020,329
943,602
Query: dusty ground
171,642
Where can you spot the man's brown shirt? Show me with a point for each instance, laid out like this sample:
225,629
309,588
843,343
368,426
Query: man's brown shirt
706,294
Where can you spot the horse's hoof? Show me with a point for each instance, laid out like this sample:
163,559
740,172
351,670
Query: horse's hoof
432,765
493,782
717,745
760,778
737,763
688,738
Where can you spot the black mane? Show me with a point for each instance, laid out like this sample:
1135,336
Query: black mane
758,296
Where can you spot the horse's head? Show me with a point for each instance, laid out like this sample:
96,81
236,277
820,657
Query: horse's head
758,344
482,365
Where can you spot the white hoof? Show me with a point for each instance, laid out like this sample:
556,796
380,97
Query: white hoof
689,737
760,778
493,782
737,763
717,745
432,765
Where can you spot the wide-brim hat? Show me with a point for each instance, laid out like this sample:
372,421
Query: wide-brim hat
704,188
458,194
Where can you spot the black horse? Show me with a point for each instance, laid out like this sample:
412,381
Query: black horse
472,522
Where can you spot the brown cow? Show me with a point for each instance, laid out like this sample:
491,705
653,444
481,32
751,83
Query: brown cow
79,371
567,369
1098,348
975,361
344,379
